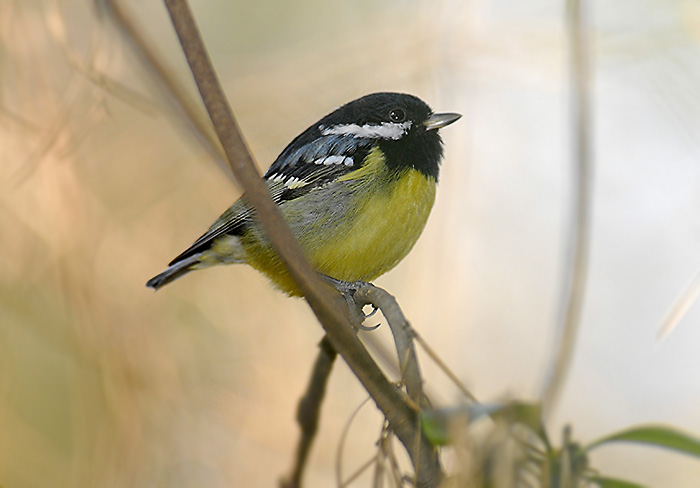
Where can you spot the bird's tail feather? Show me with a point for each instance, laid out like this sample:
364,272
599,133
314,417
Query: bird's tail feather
174,271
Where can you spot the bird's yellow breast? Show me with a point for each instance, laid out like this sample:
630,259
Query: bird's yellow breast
381,234
365,226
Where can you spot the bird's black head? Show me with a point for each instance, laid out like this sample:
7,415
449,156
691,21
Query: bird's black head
404,127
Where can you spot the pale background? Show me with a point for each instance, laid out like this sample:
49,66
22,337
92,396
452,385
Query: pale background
104,383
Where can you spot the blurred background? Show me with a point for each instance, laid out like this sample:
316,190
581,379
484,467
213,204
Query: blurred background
104,383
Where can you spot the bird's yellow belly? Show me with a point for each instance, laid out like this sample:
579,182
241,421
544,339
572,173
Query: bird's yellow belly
362,244
381,234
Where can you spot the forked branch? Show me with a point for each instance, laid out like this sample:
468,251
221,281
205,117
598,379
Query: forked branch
328,305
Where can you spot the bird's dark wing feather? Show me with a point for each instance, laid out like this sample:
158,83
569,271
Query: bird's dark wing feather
305,164
231,221
319,159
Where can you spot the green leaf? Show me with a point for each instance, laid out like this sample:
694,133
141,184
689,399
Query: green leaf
434,426
655,435
438,424
478,410
605,482
527,414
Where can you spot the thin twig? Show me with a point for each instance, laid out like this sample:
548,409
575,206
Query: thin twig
445,369
341,444
358,472
576,260
380,467
330,308
309,411
680,308
393,464
167,81
403,338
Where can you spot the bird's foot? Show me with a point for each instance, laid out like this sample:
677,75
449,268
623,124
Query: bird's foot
348,289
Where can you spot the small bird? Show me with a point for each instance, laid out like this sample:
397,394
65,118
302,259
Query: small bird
356,189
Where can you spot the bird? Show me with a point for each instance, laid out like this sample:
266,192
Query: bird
356,189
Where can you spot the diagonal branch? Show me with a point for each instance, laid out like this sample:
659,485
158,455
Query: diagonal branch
329,306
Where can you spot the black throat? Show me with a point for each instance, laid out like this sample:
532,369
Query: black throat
422,151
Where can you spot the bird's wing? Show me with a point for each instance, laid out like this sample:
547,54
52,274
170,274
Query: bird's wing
300,168
323,158
229,222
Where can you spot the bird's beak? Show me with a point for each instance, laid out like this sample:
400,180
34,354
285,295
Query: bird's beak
438,121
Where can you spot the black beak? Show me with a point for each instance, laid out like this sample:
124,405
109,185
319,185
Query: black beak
438,121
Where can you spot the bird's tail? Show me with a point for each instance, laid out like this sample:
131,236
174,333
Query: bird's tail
175,271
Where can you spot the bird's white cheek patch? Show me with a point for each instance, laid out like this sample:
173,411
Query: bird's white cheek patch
385,130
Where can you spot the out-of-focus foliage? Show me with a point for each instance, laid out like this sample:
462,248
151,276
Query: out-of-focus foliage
515,450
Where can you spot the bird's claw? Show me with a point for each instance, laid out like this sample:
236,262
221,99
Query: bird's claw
348,289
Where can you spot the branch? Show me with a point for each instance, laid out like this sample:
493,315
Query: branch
309,406
168,82
327,304
309,410
403,338
576,261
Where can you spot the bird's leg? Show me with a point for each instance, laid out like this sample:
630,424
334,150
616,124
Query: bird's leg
348,289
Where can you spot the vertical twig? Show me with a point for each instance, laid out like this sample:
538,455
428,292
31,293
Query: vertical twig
575,271
309,410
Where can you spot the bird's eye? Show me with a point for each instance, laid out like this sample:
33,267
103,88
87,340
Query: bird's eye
397,115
